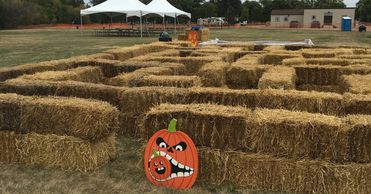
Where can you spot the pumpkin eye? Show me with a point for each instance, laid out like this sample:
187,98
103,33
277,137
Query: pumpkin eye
156,164
161,143
161,163
180,147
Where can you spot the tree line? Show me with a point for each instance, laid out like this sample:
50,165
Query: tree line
29,12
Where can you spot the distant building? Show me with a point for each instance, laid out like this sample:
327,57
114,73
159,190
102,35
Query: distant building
307,18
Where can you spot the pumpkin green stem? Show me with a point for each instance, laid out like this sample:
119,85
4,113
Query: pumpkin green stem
172,125
155,152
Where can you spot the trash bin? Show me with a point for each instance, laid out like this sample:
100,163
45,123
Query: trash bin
346,24
165,37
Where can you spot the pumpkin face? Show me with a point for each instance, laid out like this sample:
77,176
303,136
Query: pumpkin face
176,159
159,168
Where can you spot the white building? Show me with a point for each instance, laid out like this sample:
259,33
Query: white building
307,18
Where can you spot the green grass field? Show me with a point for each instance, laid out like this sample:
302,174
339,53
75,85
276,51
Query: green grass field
29,46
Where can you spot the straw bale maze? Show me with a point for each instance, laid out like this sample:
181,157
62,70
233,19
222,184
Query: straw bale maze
266,118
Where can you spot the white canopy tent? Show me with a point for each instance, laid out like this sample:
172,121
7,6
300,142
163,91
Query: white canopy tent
136,8
164,8
131,7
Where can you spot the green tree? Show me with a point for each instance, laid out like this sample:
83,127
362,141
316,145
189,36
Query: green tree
363,11
255,12
245,15
329,4
205,10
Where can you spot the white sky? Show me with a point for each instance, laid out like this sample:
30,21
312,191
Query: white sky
349,3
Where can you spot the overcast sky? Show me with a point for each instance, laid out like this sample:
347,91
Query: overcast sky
349,3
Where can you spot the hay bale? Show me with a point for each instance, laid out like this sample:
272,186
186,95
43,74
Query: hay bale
170,81
131,66
328,61
126,53
320,88
85,119
318,75
103,56
314,102
192,64
63,88
56,65
252,59
263,172
357,84
132,79
327,75
299,135
69,153
109,67
278,78
359,132
136,101
318,54
9,152
293,61
244,76
274,48
83,74
88,120
10,111
213,74
275,59
207,124
276,132
357,104
360,51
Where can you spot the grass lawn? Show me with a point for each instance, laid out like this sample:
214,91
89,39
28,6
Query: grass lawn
29,46
123,175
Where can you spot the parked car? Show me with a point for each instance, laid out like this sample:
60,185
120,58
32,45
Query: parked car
362,28
244,23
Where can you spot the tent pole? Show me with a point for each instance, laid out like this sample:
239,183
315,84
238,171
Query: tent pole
175,24
111,20
81,24
163,22
141,25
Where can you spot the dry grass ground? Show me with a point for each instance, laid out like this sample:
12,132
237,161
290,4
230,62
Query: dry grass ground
123,175
28,46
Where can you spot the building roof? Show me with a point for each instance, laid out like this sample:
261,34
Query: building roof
287,12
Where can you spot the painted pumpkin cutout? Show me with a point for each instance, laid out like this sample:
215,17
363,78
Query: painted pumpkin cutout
170,159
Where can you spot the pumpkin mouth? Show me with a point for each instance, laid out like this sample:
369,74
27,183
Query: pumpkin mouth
177,169
161,170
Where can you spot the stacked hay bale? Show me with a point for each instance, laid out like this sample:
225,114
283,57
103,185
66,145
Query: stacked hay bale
170,81
357,84
259,133
276,150
278,78
214,74
83,74
70,133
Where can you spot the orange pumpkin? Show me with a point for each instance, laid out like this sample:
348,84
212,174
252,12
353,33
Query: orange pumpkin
175,163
